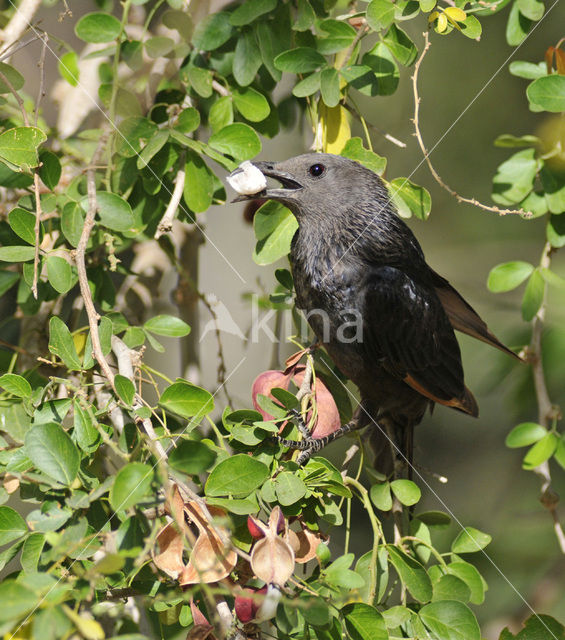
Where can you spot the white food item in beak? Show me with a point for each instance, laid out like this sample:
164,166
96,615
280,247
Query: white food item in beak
247,179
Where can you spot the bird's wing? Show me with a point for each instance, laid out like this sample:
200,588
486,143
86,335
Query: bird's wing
407,330
463,317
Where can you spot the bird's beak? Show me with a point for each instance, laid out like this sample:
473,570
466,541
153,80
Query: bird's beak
288,182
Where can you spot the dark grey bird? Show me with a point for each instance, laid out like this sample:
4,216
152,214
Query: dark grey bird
385,317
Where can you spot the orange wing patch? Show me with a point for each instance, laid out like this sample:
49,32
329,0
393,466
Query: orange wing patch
467,404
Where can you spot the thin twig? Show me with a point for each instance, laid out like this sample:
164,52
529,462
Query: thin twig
79,256
37,228
546,411
166,223
41,67
418,134
218,88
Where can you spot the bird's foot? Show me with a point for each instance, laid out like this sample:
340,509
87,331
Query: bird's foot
309,445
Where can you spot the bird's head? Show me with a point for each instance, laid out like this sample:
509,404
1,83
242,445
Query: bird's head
315,181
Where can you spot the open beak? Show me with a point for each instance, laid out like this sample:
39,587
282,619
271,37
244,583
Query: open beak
288,182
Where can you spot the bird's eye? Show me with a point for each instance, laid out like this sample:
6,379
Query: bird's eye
316,170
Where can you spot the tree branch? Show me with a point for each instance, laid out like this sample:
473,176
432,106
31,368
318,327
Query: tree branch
166,223
418,134
546,410
79,256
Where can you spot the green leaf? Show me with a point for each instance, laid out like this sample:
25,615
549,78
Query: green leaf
188,120
59,273
7,280
525,434
16,254
98,27
307,86
533,295
514,178
238,140
384,66
213,31
131,134
153,146
329,85
16,385
31,552
471,27
158,46
52,411
362,78
299,60
381,497
364,622
115,213
547,93
251,104
450,587
187,400
198,183
247,59
125,389
531,9
540,627
555,231
237,476
192,457
50,169
132,483
412,574
355,151
410,198
289,488
338,35
470,540
221,113
61,343
13,76
407,492
22,223
527,70
508,140
72,222
305,16
559,454
400,45
508,275
68,68
554,188
517,27
380,14
12,525
552,279
165,325
450,620
541,451
199,79
471,577
52,451
16,600
250,11
85,433
19,146
274,227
